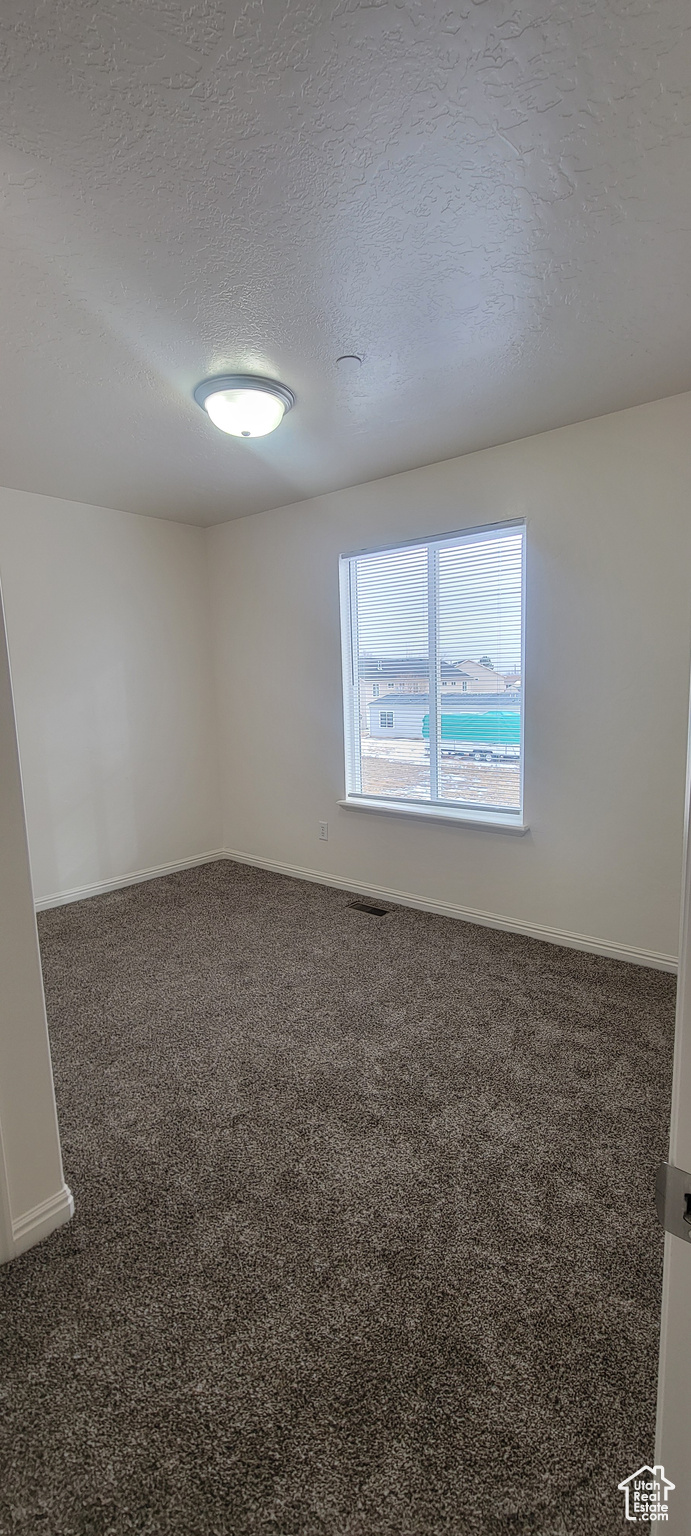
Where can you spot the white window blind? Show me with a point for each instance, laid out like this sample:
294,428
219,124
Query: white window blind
441,622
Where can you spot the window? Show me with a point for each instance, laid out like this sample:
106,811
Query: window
457,600
375,690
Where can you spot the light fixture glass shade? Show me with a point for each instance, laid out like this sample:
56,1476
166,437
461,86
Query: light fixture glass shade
244,405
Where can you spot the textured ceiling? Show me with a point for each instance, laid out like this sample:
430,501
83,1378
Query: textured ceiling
490,202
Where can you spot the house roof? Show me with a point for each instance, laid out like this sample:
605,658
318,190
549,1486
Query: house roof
375,667
658,1473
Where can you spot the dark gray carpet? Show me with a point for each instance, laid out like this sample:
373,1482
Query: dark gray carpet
365,1242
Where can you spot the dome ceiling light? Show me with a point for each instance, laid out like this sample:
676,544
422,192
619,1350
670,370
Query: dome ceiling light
244,404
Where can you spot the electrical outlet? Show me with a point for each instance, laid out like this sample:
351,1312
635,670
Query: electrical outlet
324,831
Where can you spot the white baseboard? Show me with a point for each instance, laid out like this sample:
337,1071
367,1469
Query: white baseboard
583,941
36,1224
101,887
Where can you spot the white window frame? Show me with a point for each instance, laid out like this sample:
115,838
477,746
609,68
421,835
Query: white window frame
433,809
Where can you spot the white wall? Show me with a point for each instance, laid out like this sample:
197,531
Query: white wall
608,642
107,617
33,1196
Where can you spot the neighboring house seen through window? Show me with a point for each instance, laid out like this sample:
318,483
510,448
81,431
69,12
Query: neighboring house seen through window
441,622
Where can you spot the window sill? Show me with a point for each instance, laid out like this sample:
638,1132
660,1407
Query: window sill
496,821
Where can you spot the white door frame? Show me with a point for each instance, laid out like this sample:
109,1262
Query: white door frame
673,1436
33,1195
6,1238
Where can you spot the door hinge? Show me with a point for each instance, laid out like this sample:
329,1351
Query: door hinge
673,1200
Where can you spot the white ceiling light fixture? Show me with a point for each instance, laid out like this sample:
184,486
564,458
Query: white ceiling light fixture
244,404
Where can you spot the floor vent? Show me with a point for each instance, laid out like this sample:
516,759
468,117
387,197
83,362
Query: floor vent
366,906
